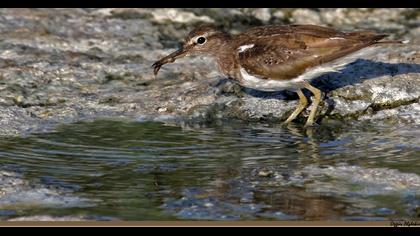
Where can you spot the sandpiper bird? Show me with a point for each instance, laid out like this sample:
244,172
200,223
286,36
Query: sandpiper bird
279,57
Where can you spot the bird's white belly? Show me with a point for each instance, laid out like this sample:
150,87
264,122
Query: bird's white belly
254,82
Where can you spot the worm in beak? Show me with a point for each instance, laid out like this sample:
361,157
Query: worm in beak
169,59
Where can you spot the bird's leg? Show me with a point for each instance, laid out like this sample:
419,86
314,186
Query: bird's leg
303,102
316,100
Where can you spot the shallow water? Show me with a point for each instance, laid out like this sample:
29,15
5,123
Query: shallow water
106,170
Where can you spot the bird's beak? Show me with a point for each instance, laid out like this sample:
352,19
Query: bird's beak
181,52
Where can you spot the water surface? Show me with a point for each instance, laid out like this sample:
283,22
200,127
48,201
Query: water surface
233,171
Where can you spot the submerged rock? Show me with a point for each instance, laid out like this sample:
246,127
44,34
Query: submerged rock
48,218
16,192
369,181
361,190
196,203
313,192
61,218
64,65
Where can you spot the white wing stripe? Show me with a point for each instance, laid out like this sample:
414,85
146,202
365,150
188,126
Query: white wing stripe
245,47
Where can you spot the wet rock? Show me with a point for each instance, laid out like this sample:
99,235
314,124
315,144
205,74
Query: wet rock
174,15
279,14
385,211
264,173
62,218
384,19
64,65
329,192
48,218
16,121
262,14
306,16
205,204
18,192
403,114
6,213
362,218
278,215
371,181
347,183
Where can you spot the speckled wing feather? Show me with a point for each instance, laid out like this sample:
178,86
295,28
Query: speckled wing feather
273,30
285,52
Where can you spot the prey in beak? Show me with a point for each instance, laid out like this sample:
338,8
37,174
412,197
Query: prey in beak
181,52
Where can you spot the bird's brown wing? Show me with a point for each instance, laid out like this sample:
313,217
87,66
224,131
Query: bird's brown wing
285,52
272,30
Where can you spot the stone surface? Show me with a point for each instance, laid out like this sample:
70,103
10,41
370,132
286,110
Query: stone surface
47,218
306,16
63,65
16,192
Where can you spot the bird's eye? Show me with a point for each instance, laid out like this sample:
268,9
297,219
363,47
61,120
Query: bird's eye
201,40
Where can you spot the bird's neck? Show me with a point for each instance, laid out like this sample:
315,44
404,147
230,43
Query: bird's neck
226,63
226,58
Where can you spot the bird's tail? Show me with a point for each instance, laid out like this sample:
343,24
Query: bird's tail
374,38
378,37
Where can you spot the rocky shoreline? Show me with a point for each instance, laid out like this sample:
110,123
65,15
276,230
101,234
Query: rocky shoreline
65,65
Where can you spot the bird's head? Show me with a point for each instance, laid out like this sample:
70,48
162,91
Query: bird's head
205,39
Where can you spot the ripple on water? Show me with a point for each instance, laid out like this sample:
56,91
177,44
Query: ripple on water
147,170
